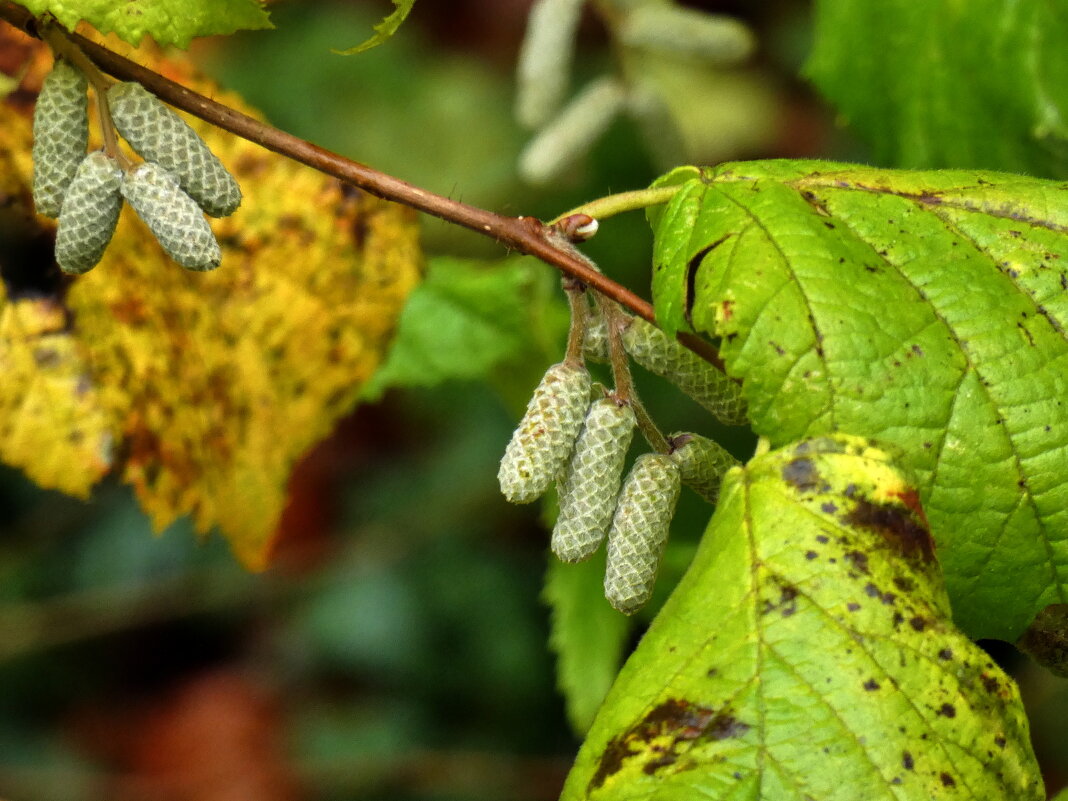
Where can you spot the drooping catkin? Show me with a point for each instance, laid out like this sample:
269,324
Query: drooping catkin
173,216
713,38
542,442
544,67
702,463
60,135
640,530
591,480
595,342
663,355
90,211
567,137
161,136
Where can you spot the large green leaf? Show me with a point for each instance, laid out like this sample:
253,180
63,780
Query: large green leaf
169,22
939,83
808,654
926,309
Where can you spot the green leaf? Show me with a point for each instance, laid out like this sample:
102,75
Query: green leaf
383,30
169,22
587,636
467,318
925,309
944,83
808,654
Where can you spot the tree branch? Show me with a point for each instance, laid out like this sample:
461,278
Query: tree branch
524,234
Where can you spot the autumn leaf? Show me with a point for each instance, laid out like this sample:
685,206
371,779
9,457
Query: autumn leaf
209,385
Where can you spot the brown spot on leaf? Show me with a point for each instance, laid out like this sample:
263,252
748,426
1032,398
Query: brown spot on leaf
947,780
677,719
859,560
948,711
801,474
896,526
945,654
918,623
906,760
871,685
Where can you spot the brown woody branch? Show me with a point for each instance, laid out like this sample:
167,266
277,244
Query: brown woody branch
523,234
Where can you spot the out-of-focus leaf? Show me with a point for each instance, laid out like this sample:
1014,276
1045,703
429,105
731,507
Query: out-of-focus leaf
943,83
213,384
464,320
926,309
587,636
169,22
385,29
808,653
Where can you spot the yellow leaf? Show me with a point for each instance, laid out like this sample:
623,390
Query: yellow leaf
214,384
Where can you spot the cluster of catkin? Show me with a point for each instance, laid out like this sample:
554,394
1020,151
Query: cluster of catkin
178,182
578,436
564,132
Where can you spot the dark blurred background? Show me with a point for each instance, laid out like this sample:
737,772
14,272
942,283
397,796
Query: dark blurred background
397,649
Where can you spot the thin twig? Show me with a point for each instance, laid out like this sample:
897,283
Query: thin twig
523,234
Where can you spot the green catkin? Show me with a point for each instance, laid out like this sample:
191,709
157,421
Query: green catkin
161,136
712,38
545,60
89,214
639,531
173,217
567,138
595,342
702,463
60,135
542,442
657,352
591,480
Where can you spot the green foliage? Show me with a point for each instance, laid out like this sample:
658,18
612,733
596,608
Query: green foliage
808,653
466,319
587,636
924,309
385,29
944,83
169,22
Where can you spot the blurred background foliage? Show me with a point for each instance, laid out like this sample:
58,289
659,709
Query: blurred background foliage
398,647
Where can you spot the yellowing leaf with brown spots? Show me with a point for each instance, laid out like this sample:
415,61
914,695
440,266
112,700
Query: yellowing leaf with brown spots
213,384
809,654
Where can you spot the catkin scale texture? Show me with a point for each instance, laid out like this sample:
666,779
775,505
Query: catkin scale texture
161,136
702,463
174,218
89,214
640,530
543,440
60,135
661,354
591,480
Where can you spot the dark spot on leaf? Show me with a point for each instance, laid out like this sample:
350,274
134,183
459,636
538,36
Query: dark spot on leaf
904,584
947,780
801,474
896,526
1046,639
677,719
872,591
871,685
787,603
1000,741
948,711
897,619
906,760
945,654
859,560
853,606
810,555
990,684
918,623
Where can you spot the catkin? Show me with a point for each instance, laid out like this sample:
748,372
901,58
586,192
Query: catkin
663,355
544,66
542,442
715,39
89,214
60,135
567,138
702,463
591,480
173,217
640,530
161,136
